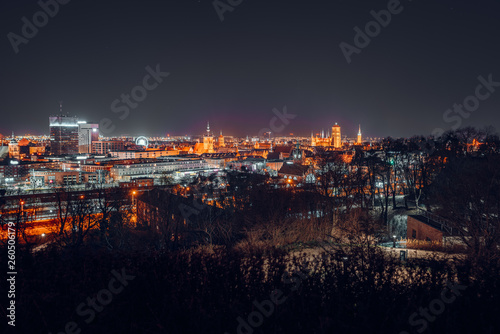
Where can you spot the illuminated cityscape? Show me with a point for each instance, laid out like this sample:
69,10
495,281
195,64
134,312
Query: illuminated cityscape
77,146
248,167
79,176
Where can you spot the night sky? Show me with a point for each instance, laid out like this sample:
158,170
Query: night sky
264,55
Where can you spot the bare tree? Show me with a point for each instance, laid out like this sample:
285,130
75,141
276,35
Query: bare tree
467,193
110,205
75,217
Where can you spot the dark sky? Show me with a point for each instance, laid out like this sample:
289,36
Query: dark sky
264,55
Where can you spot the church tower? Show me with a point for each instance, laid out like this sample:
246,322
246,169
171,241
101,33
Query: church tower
313,140
13,147
359,136
208,141
221,140
297,154
336,136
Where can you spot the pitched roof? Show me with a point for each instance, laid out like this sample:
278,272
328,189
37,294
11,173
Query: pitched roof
273,156
283,148
294,169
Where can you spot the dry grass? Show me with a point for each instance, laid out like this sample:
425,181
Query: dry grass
282,235
433,246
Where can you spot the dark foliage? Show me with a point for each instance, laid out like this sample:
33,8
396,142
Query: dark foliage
350,290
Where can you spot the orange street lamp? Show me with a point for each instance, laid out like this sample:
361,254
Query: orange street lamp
134,205
22,212
133,194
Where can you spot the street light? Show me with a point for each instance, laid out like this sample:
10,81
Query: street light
134,206
394,241
22,215
133,194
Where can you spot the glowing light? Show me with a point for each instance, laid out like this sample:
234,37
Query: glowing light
142,141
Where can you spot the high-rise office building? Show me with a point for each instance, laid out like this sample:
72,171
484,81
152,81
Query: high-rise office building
63,135
336,136
87,134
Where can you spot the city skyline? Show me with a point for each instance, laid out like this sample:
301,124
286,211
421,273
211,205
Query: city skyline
79,122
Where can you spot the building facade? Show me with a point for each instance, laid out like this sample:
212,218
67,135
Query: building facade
208,141
51,177
63,135
336,136
14,151
87,134
105,147
156,169
147,154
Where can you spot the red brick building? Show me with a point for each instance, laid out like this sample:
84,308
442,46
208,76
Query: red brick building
55,177
420,227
